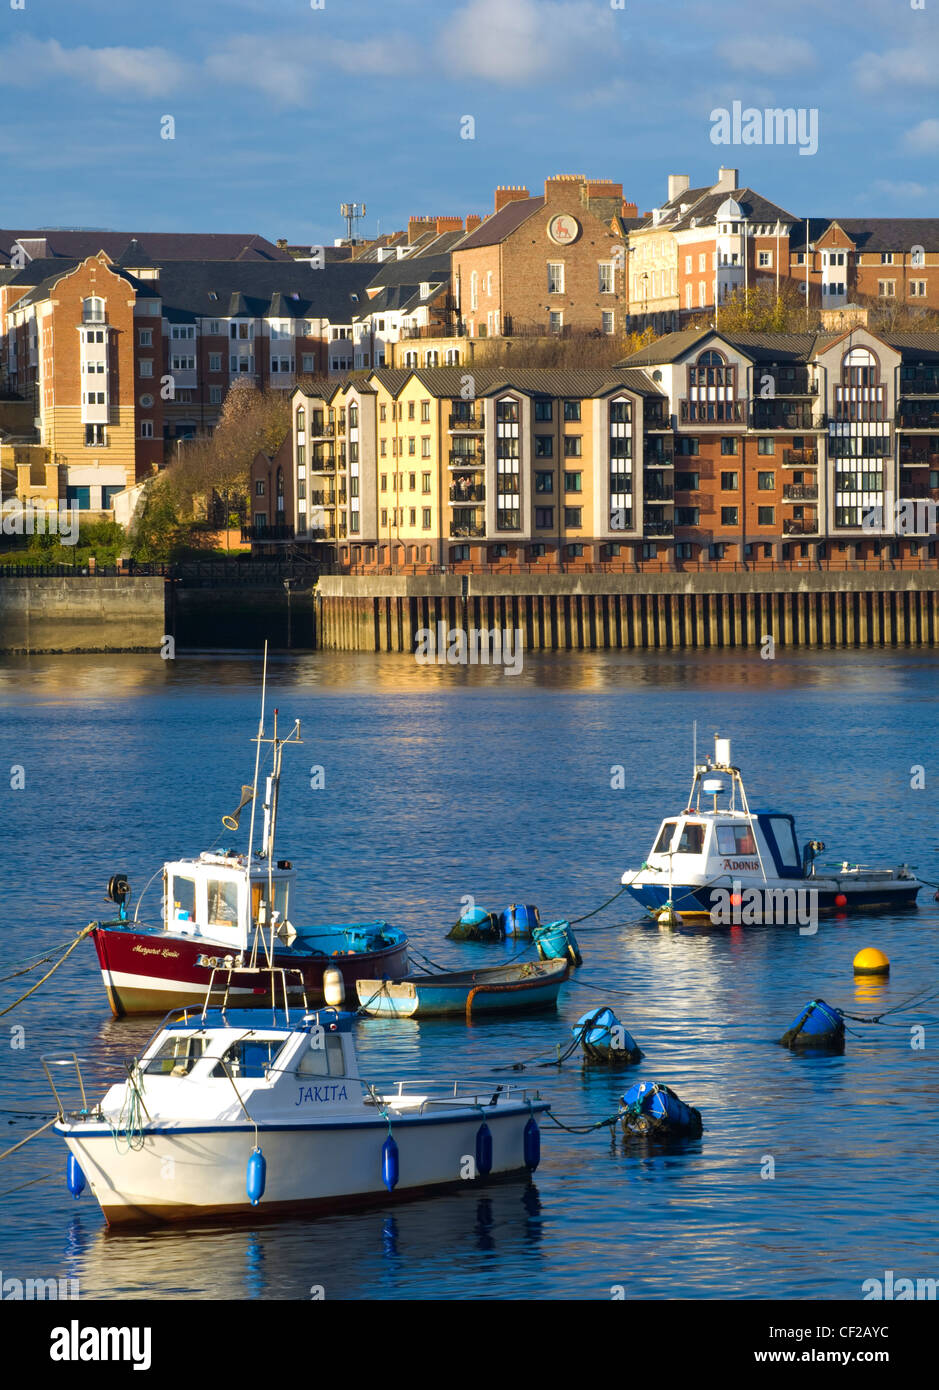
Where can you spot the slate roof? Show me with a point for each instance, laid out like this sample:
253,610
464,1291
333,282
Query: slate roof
160,246
579,383
778,347
502,223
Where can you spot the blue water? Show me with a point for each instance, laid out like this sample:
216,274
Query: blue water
446,782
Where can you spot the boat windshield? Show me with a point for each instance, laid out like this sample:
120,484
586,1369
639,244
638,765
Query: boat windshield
322,1060
664,842
735,839
249,1057
691,840
177,1055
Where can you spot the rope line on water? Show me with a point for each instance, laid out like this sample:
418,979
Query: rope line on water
80,937
32,1182
609,1123
34,1134
24,969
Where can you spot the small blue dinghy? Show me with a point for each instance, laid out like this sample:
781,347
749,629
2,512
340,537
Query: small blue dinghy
556,939
654,1111
604,1039
818,1025
530,984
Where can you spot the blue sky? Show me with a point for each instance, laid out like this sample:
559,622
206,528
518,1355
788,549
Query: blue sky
283,111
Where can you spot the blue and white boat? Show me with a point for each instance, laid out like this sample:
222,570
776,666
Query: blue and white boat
500,989
247,1113
739,867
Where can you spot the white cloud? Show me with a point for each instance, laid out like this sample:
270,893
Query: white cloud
896,69
288,71
903,188
148,72
769,57
924,138
519,42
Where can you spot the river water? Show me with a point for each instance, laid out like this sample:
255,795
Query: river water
813,1174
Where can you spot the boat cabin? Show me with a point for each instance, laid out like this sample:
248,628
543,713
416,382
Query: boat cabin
721,842
208,897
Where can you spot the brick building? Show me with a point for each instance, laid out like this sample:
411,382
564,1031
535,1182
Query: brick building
545,264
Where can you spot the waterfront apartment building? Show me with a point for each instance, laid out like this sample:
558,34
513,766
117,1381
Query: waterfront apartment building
700,449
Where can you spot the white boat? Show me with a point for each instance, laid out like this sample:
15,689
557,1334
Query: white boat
247,1113
737,866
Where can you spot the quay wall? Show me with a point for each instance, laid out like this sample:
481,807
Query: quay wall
87,613
635,611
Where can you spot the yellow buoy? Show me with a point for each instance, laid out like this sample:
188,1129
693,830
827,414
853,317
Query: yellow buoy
667,916
870,961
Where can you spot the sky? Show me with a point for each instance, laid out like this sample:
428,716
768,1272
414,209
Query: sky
281,111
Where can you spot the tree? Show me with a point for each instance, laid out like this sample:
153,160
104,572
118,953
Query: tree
760,309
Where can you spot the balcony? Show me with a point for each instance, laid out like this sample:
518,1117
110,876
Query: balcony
474,460
711,412
662,493
800,458
322,431
917,417
267,533
465,422
655,526
800,492
780,415
796,383
920,383
322,461
918,456
473,493
660,458
466,529
807,526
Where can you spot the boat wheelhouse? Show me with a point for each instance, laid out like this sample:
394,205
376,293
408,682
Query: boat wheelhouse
250,1113
228,918
722,861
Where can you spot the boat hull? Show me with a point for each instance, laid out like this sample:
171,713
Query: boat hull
151,973
697,902
192,1172
466,993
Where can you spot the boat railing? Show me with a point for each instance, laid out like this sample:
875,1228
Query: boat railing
229,970
469,1092
70,1061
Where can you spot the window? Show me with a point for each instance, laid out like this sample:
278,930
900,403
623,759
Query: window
917,289
886,288
184,331
178,1054
728,445
544,446
572,410
544,517
886,258
410,410
735,839
544,482
555,277
93,310
215,361
412,482
555,321
543,409
728,516
425,518
96,436
766,444
145,366
573,482
766,482
687,446
306,362
146,429
608,321
605,277
382,412
182,363
691,840
687,516
146,337
687,482
730,482
764,258
259,488
573,517
766,516
573,446
425,446
425,411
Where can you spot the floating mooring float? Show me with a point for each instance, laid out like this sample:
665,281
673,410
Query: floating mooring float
604,1039
819,1025
653,1111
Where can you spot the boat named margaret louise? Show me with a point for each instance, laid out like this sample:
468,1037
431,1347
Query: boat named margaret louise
226,924
736,866
248,1113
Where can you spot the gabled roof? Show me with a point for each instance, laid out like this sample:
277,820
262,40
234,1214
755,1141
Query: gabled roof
575,382
160,246
875,234
781,347
753,206
502,223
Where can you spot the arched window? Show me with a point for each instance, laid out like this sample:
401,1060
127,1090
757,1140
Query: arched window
859,367
280,489
93,310
301,418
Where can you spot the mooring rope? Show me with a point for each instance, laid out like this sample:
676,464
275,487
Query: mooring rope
80,937
34,1134
39,960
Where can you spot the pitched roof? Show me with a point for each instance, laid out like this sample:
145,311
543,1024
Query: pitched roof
575,382
873,234
502,223
780,347
160,246
754,206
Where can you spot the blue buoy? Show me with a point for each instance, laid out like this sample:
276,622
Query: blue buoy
257,1176
554,940
389,1163
74,1177
818,1025
650,1109
519,920
484,1150
531,1145
604,1039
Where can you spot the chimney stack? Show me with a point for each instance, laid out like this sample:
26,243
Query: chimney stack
473,221
677,183
417,226
726,180
509,193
